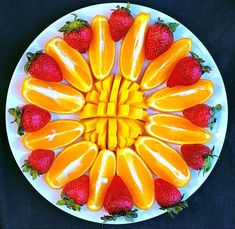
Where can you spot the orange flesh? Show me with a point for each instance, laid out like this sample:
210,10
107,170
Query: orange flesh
163,160
54,135
54,97
175,129
72,64
71,163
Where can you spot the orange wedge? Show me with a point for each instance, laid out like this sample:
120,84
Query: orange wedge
181,97
163,160
101,175
136,176
71,163
175,129
54,97
72,64
132,50
54,135
161,68
102,48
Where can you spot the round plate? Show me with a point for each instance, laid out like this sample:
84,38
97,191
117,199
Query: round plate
14,98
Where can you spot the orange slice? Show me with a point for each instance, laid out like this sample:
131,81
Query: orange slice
72,64
71,163
101,175
54,97
163,160
136,176
54,135
102,48
181,97
132,50
161,68
175,129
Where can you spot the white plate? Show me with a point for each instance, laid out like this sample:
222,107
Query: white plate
14,98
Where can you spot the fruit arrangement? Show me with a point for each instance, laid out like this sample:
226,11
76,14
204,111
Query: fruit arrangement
117,155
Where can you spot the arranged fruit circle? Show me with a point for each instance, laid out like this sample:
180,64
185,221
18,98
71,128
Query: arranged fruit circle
121,115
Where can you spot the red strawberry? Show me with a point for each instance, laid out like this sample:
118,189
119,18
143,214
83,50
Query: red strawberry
118,201
75,193
39,161
77,34
159,38
42,66
120,22
202,115
187,71
169,197
198,156
30,118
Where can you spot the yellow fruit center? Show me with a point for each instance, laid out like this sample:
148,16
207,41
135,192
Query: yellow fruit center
114,113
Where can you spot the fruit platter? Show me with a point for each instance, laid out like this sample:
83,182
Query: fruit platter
116,114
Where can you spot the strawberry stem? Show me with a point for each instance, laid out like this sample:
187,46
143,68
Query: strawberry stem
171,25
205,68
70,203
16,112
31,57
127,8
213,111
26,167
128,215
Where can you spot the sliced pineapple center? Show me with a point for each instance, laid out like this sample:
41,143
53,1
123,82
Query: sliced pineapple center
114,113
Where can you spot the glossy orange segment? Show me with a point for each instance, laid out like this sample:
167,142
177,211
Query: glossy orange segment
54,97
163,160
175,129
54,135
101,175
132,49
72,64
71,163
136,176
181,97
160,69
102,48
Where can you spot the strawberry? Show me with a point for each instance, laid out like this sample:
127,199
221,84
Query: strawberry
42,66
39,161
75,193
77,34
159,38
202,115
120,22
118,201
169,197
198,156
30,118
187,71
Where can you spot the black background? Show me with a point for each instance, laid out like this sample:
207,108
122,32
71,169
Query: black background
212,206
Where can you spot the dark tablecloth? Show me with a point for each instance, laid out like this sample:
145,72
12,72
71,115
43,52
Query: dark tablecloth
212,206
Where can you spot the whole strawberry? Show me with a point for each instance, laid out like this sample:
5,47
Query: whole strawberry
202,115
169,197
39,161
187,71
120,22
75,193
42,66
159,38
77,34
30,118
198,156
118,201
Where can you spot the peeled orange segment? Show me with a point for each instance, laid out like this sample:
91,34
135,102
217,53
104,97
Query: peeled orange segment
160,69
112,133
136,176
71,163
102,48
54,135
163,160
175,129
132,49
54,97
93,97
101,175
181,97
72,64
